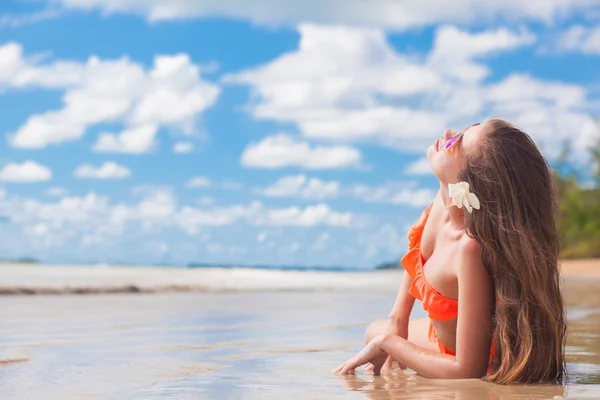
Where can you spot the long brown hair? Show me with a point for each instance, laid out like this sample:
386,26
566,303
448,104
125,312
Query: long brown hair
516,230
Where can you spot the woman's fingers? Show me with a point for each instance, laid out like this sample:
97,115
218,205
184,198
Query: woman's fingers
348,368
342,369
368,367
389,362
345,368
338,369
366,355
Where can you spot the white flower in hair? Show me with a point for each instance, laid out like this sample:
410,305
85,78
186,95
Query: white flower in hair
461,196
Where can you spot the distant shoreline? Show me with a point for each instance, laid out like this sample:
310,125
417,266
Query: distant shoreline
42,279
570,267
587,267
289,267
60,279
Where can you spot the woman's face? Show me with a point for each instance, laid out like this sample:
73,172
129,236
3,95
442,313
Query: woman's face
447,163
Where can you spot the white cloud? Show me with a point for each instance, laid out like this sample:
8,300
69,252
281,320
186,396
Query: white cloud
330,87
549,111
519,89
85,210
72,218
418,167
171,94
183,147
350,84
19,72
284,151
40,229
136,140
389,14
319,214
399,193
98,219
156,206
28,171
581,39
302,187
108,170
451,42
390,125
414,197
192,219
459,48
198,182
56,191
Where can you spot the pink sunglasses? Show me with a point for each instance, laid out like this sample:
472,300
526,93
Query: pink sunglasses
454,139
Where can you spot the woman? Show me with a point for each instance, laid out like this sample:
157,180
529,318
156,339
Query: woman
483,259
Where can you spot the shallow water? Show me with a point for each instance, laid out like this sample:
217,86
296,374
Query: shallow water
237,345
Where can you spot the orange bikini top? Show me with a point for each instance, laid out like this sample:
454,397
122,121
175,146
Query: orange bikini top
438,307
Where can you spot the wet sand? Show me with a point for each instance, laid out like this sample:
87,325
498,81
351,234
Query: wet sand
242,344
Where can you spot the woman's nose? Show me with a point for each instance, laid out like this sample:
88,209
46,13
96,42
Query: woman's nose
448,133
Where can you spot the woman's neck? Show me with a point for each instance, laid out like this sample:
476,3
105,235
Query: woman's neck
457,215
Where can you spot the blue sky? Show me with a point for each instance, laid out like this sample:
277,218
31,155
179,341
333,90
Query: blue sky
264,133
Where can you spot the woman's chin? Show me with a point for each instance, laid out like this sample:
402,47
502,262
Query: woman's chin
430,152
432,155
435,169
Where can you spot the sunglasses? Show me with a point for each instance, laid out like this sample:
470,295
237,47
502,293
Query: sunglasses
454,139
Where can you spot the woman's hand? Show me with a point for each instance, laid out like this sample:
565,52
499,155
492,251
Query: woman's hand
371,353
397,327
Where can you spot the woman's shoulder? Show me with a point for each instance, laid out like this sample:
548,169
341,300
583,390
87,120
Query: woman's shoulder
469,245
469,254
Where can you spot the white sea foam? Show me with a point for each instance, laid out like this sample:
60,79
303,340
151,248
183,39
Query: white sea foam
37,279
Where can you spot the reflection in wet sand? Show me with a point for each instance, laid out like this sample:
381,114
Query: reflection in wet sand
404,385
583,340
192,369
239,345
14,356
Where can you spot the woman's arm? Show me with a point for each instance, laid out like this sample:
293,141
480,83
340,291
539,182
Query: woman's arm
399,316
473,327
404,302
472,336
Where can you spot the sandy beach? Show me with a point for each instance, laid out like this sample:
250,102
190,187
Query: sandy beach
233,334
